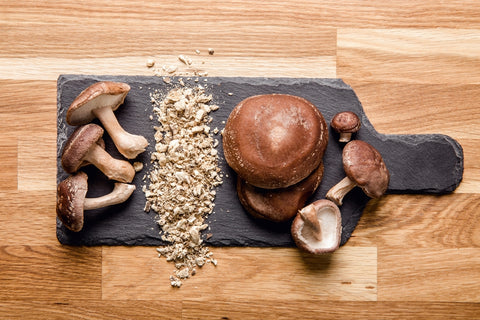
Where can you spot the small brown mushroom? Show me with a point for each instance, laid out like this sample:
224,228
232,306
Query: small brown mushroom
278,205
345,123
99,101
317,228
84,147
364,167
72,201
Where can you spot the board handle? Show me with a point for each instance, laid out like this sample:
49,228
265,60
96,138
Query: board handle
426,163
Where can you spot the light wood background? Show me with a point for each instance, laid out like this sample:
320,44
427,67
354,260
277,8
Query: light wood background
415,66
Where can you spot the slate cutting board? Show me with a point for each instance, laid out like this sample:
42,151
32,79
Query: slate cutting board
417,163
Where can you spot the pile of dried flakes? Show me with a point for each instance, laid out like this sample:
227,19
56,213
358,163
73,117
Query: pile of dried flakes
183,177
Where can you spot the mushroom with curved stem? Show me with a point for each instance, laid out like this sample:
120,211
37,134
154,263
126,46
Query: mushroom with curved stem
365,168
345,123
317,228
100,100
72,201
84,147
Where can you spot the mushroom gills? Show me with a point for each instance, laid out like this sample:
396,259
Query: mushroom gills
328,221
107,100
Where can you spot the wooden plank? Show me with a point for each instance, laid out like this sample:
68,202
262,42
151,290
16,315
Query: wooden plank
420,221
50,68
428,274
248,15
50,272
431,56
250,273
81,309
28,97
37,165
27,218
8,158
314,309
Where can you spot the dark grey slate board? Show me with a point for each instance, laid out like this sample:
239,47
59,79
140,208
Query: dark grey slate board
417,163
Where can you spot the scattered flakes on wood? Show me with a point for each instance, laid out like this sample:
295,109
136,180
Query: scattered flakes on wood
150,63
185,59
183,177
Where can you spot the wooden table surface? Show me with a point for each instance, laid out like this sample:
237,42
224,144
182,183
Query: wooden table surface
415,66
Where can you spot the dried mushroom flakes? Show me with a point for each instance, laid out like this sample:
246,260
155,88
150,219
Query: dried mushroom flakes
183,177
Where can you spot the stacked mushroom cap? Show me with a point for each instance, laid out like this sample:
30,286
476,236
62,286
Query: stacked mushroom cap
275,141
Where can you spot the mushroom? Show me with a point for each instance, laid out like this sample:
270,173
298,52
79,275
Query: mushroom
317,228
345,123
72,201
364,167
278,205
84,147
99,101
275,140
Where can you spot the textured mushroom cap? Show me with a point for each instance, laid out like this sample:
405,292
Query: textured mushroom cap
274,140
71,194
78,145
98,95
278,205
345,122
330,222
364,165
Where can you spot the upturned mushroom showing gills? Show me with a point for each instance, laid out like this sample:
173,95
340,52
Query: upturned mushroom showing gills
345,123
317,228
84,147
72,201
100,100
364,167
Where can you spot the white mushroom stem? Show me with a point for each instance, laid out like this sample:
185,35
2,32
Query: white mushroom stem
114,169
338,191
130,145
121,192
310,218
345,136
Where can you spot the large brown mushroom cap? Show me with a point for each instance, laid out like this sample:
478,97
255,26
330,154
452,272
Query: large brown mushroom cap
274,140
79,144
71,194
278,205
365,166
99,94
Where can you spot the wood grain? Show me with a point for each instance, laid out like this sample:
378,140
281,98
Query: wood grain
349,275
49,272
414,66
429,274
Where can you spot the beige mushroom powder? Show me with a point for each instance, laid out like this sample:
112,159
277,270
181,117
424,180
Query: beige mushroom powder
184,174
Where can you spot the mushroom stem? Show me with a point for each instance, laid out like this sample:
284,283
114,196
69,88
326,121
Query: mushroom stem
338,191
309,216
345,137
114,169
121,192
128,144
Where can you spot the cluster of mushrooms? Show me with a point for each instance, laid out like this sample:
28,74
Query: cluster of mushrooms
275,143
86,146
